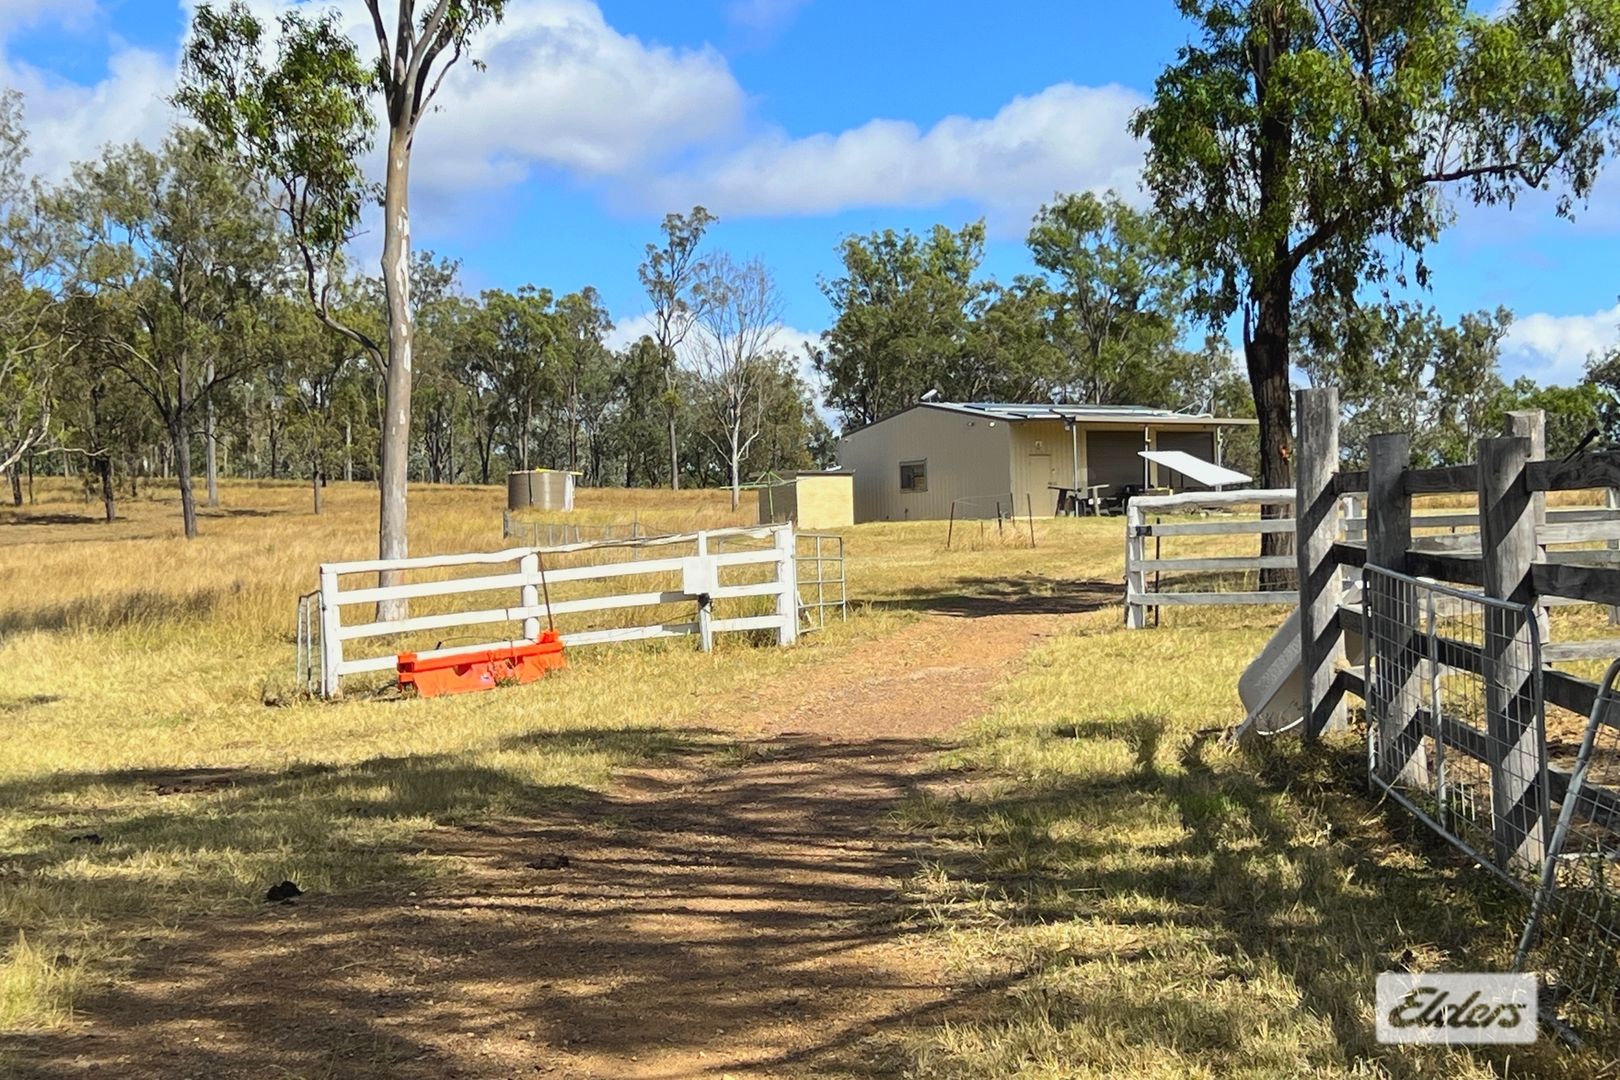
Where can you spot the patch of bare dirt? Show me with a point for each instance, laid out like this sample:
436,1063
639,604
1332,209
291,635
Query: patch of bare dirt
735,922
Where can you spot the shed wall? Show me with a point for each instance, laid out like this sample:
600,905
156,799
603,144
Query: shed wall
1112,457
824,502
1200,444
967,456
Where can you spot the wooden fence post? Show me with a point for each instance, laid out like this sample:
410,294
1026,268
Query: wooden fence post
787,576
1135,576
1397,678
1532,424
331,643
1317,520
1507,531
705,611
1611,501
529,567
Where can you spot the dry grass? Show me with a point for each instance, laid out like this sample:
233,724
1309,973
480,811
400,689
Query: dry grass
135,670
1139,900
1135,900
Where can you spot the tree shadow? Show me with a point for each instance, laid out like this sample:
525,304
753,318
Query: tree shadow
1329,901
98,613
976,597
696,913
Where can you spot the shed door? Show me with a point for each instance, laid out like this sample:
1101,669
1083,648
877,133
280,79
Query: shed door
1112,459
1039,475
1200,444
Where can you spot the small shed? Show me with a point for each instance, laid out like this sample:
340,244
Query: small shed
811,500
540,489
940,459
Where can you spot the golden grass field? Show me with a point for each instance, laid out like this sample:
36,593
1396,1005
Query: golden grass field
1154,903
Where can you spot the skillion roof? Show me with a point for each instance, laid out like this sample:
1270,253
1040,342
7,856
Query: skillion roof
1080,414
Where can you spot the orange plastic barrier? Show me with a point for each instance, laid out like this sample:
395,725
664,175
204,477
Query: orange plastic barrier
482,669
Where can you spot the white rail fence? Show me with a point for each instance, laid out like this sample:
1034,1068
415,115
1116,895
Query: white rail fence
1142,570
523,575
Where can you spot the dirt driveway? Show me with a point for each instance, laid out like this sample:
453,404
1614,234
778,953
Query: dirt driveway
735,922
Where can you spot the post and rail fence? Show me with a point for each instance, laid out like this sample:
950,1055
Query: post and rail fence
1460,702
689,573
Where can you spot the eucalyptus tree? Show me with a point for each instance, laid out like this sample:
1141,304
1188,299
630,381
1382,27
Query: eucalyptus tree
582,373
302,120
1401,367
1115,297
32,347
670,274
1318,137
903,320
179,252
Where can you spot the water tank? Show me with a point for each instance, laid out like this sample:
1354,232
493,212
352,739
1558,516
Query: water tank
540,489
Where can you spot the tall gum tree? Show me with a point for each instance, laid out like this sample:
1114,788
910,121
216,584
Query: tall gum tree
669,274
301,118
1318,138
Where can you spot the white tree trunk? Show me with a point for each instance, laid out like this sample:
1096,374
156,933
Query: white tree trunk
396,429
210,436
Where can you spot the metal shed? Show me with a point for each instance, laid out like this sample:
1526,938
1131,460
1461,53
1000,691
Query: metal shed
981,455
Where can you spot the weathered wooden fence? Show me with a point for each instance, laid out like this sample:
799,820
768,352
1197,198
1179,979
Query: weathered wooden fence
1510,567
692,575
1483,760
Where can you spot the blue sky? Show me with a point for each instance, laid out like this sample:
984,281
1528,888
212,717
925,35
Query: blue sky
799,122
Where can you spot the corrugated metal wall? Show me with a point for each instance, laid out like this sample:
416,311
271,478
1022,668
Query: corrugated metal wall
967,456
1042,454
1200,444
1112,458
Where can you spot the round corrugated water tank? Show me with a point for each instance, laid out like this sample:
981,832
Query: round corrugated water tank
540,489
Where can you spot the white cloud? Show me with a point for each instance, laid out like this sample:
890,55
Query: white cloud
1553,349
763,16
16,14
564,89
1065,138
561,89
69,122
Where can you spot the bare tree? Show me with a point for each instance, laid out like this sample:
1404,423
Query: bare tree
741,311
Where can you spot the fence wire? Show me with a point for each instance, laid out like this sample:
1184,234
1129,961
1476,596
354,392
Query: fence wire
1455,724
557,534
1573,934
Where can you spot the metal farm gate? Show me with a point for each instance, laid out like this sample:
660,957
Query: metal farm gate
1455,718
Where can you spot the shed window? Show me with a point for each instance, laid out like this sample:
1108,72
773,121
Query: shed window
914,475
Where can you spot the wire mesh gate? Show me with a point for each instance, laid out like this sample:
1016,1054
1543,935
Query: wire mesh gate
1455,718
1573,933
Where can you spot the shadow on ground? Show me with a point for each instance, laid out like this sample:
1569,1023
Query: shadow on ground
1281,865
741,915
978,597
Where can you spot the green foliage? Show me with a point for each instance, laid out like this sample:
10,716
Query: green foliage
1572,412
30,340
1294,137
904,309
304,123
1114,293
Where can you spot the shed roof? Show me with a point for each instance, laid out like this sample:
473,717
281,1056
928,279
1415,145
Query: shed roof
1080,414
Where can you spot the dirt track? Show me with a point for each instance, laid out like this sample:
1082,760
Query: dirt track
735,922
